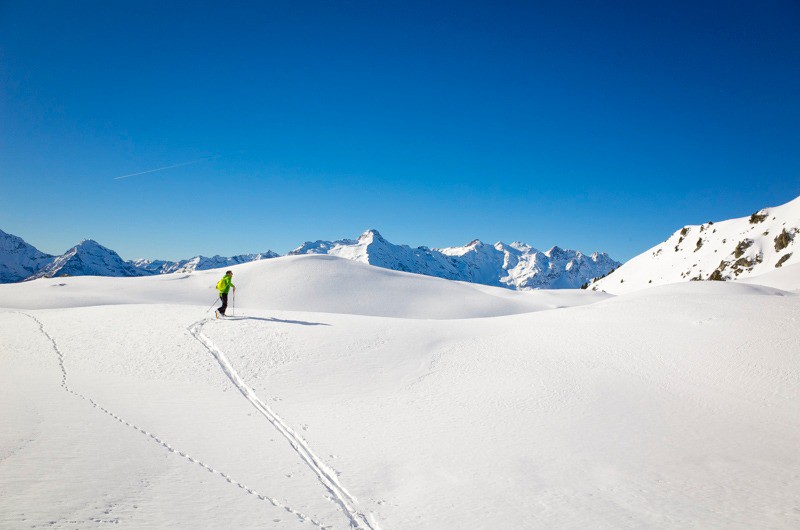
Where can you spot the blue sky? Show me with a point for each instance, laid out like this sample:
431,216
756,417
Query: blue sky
590,125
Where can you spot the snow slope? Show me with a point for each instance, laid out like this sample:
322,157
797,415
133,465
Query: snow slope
339,398
516,266
729,250
786,278
18,259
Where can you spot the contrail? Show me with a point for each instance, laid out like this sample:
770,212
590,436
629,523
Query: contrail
167,167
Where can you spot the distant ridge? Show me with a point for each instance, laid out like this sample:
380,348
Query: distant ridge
21,261
516,266
198,263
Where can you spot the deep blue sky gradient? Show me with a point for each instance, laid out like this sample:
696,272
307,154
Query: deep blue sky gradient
590,125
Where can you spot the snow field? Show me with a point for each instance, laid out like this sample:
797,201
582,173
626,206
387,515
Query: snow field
673,407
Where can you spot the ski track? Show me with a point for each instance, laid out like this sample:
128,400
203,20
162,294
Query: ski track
326,476
163,443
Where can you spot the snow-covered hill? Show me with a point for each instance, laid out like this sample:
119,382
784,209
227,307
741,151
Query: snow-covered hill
198,263
88,258
517,266
316,283
727,250
18,259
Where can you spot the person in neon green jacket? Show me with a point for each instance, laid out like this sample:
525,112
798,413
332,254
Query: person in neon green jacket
224,286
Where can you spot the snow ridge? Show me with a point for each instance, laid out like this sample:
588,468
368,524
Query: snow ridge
325,475
156,438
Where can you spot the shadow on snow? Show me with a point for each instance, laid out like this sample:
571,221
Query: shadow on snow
279,321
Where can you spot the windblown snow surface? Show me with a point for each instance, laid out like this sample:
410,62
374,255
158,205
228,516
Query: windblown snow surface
342,395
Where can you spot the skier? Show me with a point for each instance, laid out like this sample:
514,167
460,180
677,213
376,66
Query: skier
223,286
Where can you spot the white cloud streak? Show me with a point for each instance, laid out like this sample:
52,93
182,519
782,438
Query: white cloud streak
167,167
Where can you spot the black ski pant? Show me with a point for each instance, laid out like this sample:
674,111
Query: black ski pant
224,298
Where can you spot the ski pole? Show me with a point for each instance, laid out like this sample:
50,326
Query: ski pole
233,304
212,305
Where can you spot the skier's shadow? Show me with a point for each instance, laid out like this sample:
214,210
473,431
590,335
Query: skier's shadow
279,321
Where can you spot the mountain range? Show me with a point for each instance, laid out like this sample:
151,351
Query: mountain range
724,250
21,261
198,263
515,266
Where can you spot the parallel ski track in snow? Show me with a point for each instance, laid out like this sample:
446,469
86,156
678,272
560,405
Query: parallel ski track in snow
326,476
161,441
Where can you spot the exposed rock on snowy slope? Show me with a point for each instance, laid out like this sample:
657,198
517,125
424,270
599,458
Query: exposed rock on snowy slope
515,266
18,259
728,250
88,258
198,263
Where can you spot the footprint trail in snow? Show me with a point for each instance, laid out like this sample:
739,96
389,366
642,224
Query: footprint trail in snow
159,440
326,476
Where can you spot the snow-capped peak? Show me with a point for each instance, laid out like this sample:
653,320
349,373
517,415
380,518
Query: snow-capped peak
520,246
88,258
18,259
90,245
370,235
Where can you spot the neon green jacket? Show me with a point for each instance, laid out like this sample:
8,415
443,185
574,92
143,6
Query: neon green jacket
224,285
